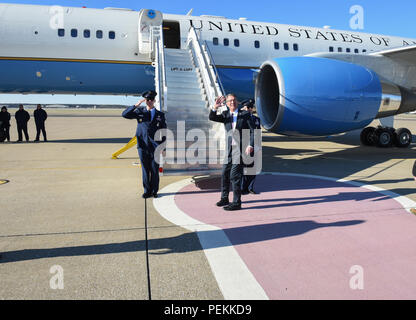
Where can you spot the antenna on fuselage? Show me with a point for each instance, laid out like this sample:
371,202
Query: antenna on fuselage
190,12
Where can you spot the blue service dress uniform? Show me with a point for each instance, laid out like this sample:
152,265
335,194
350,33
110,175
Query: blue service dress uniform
147,125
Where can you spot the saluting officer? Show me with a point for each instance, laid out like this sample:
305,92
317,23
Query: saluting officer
149,120
247,183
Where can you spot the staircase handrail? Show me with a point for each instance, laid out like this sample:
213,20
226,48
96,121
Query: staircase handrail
205,64
160,67
220,88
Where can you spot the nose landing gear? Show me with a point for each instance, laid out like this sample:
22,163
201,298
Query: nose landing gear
385,137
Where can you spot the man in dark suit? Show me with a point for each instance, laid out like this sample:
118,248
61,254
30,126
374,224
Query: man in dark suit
149,120
235,121
247,183
40,118
22,118
4,124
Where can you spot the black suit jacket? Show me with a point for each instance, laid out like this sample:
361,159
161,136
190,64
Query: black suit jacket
243,122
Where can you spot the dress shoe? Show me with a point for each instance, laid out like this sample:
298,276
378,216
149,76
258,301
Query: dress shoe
244,192
223,202
232,207
155,195
146,195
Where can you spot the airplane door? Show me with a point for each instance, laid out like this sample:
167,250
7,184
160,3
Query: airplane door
147,19
171,34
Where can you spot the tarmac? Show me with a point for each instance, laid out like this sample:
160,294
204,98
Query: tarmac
332,220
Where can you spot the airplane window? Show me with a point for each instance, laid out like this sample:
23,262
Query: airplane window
226,42
257,44
364,50
74,33
356,50
348,50
276,45
295,47
112,35
331,49
87,33
236,42
286,46
339,49
61,32
215,41
99,34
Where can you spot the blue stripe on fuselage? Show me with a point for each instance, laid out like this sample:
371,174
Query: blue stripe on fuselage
37,76
60,76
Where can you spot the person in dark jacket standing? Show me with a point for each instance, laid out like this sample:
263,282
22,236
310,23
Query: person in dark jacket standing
235,121
149,121
5,124
22,118
247,183
40,118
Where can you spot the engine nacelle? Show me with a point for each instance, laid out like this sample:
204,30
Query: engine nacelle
316,96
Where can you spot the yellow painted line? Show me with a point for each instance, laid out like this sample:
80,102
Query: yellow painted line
74,60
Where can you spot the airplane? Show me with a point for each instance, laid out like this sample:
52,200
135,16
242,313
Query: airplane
306,81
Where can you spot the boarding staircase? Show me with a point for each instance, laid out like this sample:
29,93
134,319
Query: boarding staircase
187,84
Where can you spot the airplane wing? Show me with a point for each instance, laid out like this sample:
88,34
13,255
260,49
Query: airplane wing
406,54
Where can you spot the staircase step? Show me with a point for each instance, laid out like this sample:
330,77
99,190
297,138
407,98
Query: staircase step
185,86
184,96
186,103
185,90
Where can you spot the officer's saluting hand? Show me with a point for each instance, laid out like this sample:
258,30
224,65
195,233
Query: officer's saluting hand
149,121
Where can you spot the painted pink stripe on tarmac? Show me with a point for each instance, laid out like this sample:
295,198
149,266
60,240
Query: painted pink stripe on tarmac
301,236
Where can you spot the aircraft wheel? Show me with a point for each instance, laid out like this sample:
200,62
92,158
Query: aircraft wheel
384,137
402,138
367,136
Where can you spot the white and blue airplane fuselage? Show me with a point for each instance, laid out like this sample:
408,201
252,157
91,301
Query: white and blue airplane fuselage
97,51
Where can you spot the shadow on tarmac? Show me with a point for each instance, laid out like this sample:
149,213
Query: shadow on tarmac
186,242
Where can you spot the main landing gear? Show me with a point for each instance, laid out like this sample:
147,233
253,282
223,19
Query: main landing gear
385,137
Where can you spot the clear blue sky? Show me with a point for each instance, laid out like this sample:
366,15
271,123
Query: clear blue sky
383,17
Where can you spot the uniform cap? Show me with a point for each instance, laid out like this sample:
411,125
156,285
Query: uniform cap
149,94
249,103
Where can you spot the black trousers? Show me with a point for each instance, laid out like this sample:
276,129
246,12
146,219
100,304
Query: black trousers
232,173
5,132
247,183
22,128
40,127
150,171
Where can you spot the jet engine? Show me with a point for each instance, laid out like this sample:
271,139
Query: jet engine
309,96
